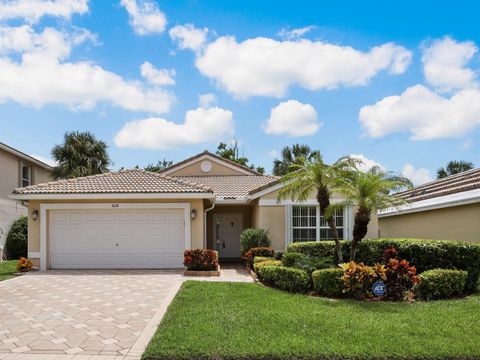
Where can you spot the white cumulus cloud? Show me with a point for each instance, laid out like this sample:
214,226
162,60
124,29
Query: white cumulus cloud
417,176
445,61
43,75
206,100
32,10
189,37
145,16
292,118
366,163
294,33
267,67
200,126
157,76
423,113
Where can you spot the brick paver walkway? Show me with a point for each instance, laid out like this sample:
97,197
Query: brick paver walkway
82,315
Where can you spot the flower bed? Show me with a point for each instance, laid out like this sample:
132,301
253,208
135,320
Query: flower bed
201,262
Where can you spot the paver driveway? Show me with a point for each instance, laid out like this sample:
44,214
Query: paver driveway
87,314
80,312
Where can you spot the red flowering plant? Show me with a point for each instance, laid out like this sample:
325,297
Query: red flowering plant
257,251
200,259
24,265
400,275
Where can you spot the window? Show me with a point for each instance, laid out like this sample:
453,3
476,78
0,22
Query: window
26,175
304,223
309,225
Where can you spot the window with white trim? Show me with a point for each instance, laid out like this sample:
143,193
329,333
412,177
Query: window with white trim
309,225
26,175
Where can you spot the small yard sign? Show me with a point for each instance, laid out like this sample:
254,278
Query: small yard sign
379,288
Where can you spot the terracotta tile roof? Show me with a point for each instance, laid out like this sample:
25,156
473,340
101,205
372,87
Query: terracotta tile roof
465,181
232,186
123,181
206,152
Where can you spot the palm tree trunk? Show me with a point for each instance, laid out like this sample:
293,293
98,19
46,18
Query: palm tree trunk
360,228
323,198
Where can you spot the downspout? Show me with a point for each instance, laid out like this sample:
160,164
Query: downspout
205,223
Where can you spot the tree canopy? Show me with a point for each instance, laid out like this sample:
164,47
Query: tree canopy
159,165
231,152
80,154
454,167
292,156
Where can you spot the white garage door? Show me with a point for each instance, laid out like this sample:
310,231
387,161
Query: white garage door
116,239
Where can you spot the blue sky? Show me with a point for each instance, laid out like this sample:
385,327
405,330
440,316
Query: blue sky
396,84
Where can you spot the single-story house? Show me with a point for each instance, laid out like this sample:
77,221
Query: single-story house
17,169
141,219
448,208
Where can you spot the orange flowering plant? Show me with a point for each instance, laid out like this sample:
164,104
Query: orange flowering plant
24,265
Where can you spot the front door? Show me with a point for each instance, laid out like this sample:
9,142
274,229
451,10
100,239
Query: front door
227,230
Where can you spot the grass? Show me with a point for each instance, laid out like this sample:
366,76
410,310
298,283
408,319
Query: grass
7,268
210,320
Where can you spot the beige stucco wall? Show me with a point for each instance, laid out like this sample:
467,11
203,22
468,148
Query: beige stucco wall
195,170
453,223
10,172
272,218
196,224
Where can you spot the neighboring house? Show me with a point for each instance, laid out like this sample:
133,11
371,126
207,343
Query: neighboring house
448,208
140,219
16,169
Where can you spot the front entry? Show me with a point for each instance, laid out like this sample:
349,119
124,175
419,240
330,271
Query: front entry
227,230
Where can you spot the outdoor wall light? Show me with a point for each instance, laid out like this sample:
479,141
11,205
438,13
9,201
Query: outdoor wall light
193,214
34,215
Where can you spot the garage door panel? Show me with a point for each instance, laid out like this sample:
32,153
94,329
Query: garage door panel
116,238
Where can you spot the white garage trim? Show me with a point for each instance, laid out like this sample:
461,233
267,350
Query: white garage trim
75,206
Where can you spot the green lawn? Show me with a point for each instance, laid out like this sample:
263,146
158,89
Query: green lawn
7,268
210,320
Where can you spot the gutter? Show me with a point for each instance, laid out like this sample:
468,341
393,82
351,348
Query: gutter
205,223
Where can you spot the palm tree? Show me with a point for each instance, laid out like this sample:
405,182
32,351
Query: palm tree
159,165
311,175
454,167
290,156
368,191
81,154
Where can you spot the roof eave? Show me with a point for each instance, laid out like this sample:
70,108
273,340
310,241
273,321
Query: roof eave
24,156
113,196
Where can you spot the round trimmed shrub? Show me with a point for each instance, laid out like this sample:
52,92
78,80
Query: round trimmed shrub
257,266
259,259
285,278
17,239
441,284
252,238
290,258
328,282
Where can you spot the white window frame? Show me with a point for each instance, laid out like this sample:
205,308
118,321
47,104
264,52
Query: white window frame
347,222
308,216
22,179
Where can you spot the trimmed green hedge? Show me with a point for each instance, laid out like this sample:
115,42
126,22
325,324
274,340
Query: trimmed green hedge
423,254
17,239
285,278
441,284
257,266
327,282
258,259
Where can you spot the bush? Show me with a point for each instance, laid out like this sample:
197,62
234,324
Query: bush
24,265
257,251
328,282
252,238
257,266
441,284
423,254
400,277
289,258
285,278
358,278
17,239
279,255
200,259
258,259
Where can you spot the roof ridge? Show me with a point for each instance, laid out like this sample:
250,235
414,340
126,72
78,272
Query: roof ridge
195,185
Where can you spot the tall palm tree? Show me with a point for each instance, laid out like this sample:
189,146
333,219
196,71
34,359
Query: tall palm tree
454,167
313,175
81,154
369,191
292,155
